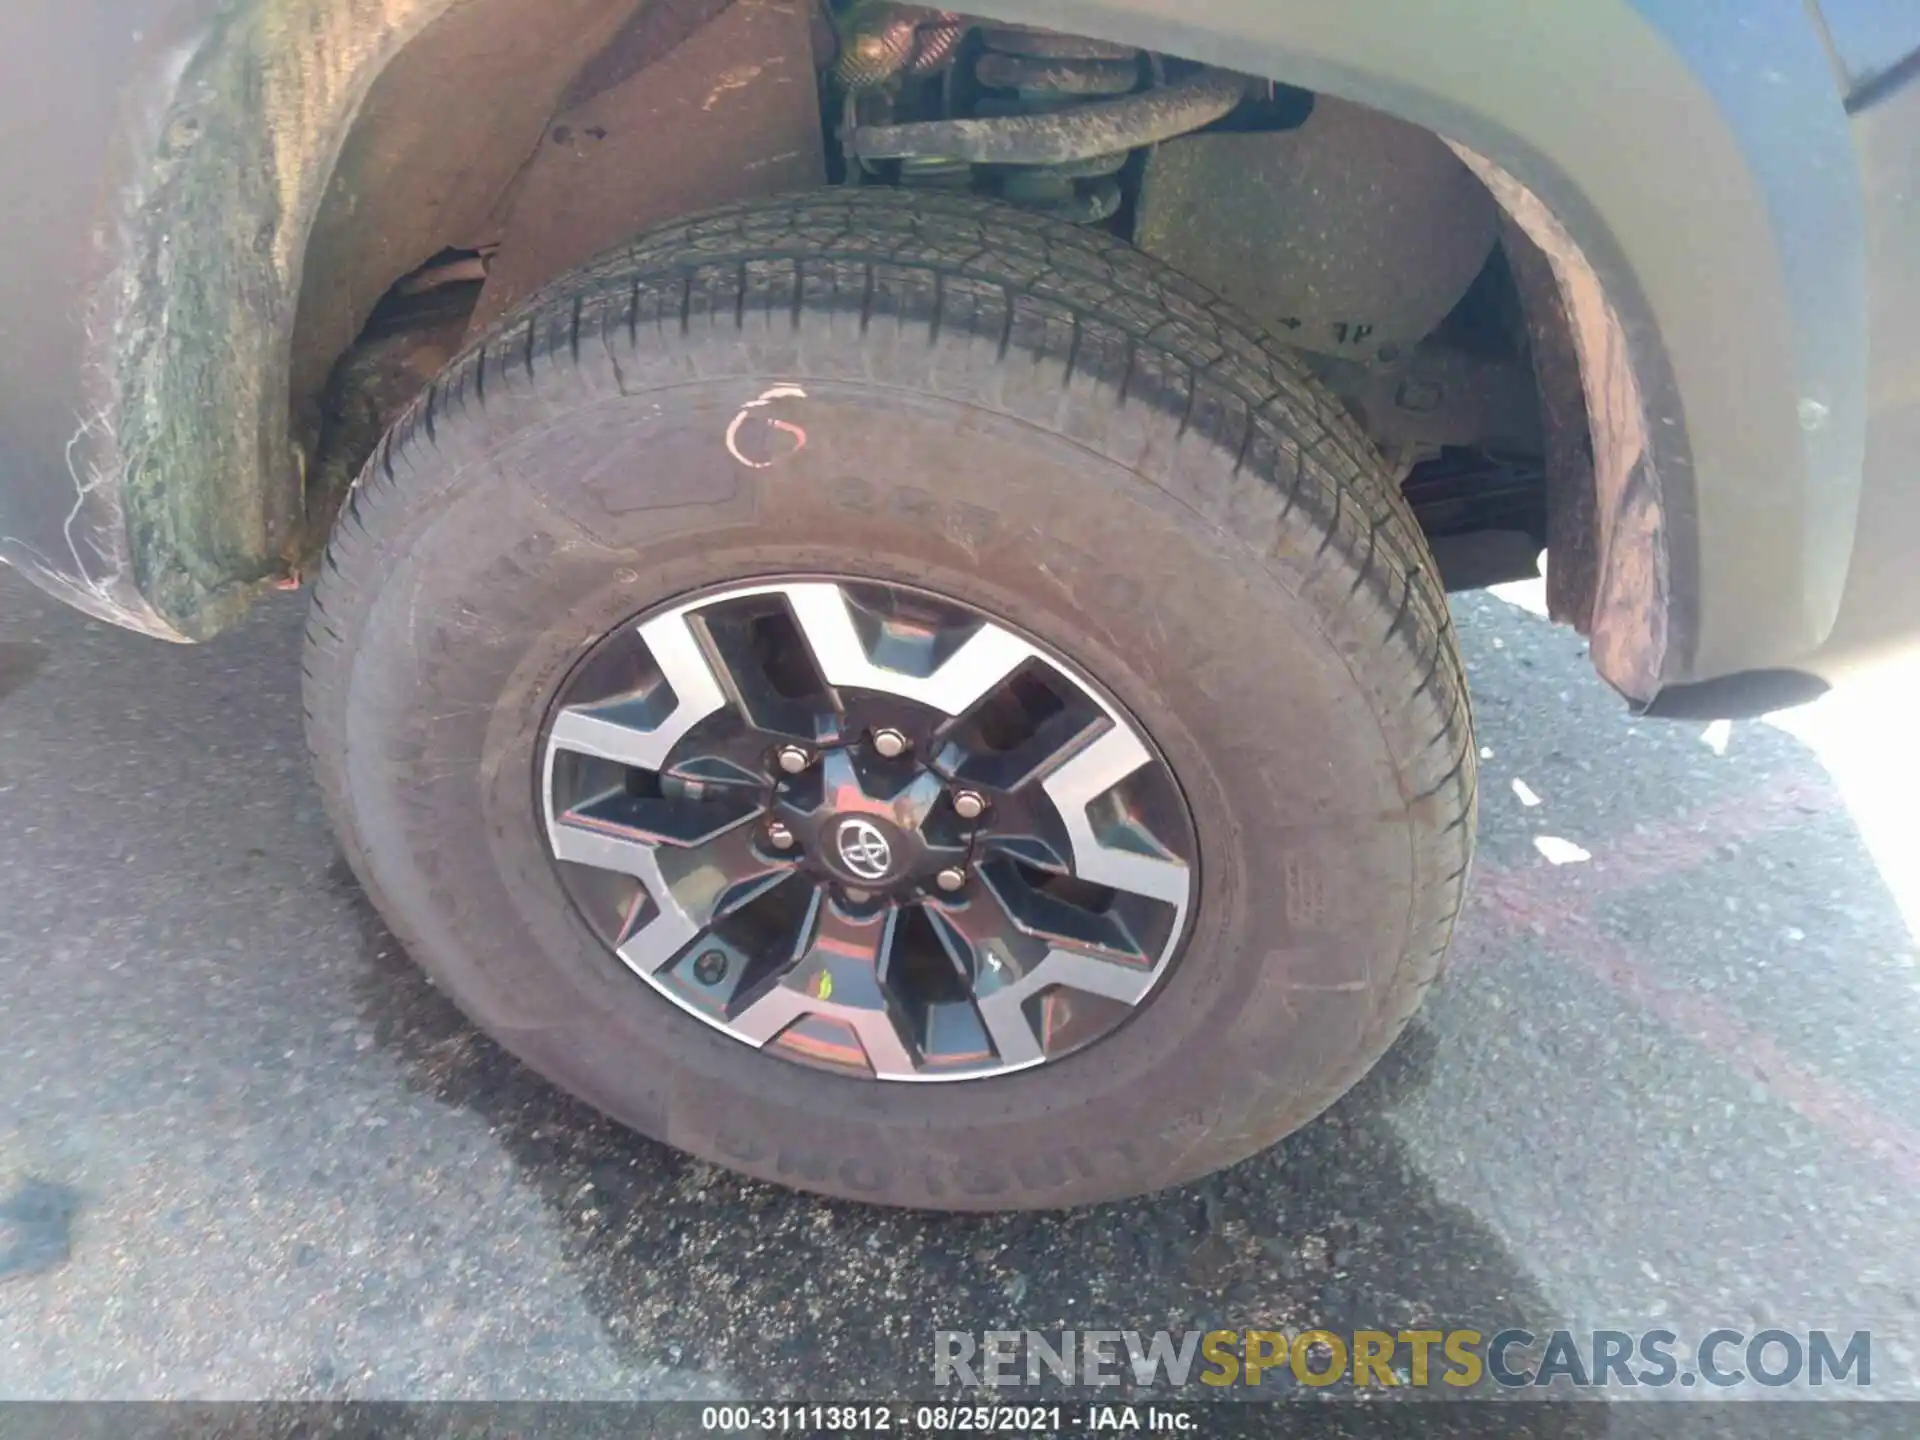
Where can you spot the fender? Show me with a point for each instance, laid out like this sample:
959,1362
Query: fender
154,482
1696,152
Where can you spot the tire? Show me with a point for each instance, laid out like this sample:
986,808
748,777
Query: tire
1027,417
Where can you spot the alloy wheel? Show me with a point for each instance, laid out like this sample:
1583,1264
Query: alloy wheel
867,829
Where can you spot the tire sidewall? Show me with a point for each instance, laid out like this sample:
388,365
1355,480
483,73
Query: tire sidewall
529,551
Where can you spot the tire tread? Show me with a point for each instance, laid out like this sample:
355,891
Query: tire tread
1030,291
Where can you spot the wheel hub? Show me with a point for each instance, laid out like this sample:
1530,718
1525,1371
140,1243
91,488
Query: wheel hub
866,829
873,823
863,849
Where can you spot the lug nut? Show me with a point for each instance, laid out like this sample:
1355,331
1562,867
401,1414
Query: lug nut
711,967
890,743
969,804
779,836
951,878
794,758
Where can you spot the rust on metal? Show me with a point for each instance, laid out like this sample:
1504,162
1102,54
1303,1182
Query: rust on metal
1573,539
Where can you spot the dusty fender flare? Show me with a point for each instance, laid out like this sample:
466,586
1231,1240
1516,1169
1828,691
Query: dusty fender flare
240,160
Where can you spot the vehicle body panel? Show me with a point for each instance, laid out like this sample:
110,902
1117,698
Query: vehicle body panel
87,82
1881,606
1696,151
1870,37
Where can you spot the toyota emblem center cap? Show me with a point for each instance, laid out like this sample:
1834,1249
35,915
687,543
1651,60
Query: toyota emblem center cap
864,850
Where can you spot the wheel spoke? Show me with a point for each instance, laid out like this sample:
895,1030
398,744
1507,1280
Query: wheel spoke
670,929
641,731
727,751
1004,1011
837,976
1002,954
1003,962
769,681
1083,779
1014,962
1015,897
984,660
719,877
690,888
682,822
1020,729
1093,974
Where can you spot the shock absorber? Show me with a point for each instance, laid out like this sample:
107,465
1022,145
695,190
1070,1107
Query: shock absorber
1041,72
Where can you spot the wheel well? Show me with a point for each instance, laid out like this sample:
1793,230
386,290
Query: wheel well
505,144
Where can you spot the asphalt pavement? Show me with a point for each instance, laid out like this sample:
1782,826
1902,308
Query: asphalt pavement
1670,1080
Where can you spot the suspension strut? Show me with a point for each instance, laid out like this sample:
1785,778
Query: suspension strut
1053,124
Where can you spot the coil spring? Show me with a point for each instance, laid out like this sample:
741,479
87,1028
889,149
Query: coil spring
1027,70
